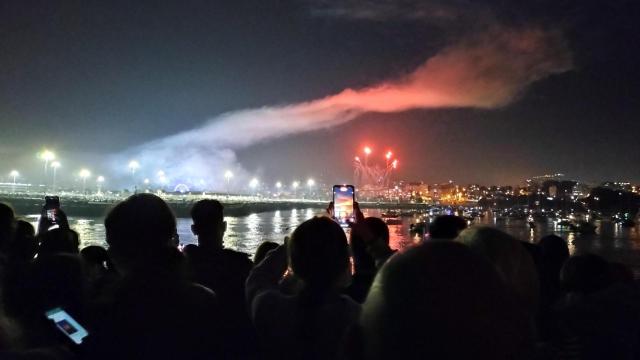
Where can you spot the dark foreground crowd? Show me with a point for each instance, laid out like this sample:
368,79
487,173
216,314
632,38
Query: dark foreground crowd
474,293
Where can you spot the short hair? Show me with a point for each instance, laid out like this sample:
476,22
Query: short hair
206,211
140,223
447,227
319,252
378,228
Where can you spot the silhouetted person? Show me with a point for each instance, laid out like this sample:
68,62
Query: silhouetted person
549,255
24,246
440,300
599,317
375,233
553,251
446,227
154,311
222,270
262,250
99,269
364,267
7,226
50,281
585,274
511,260
58,240
312,324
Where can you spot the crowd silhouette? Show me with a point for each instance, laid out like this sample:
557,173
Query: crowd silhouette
461,293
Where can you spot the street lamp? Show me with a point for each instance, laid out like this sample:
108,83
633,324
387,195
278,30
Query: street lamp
388,157
133,166
310,183
84,174
100,180
254,183
295,185
55,165
46,156
228,175
14,174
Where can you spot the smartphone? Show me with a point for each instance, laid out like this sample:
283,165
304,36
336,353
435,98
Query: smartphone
343,198
67,325
52,205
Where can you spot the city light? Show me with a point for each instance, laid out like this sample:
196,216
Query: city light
14,174
367,150
228,175
278,185
254,183
395,163
311,183
388,155
46,156
146,181
133,166
100,179
357,158
84,173
160,173
55,165
295,184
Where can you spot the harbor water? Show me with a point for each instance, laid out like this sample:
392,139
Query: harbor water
245,233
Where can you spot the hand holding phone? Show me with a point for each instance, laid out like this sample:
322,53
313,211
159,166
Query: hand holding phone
52,216
343,204
67,325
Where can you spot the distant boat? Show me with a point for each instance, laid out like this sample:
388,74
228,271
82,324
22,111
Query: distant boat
390,221
389,214
583,227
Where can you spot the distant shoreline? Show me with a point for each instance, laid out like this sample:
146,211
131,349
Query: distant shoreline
25,205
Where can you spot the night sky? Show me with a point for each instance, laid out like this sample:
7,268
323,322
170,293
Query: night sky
90,79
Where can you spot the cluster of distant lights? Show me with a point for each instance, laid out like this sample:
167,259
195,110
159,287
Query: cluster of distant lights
49,159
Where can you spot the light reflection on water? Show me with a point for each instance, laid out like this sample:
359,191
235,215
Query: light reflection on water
614,242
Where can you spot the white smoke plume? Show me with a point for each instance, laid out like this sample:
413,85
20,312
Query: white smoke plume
483,71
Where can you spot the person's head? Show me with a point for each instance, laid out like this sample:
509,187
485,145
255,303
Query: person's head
139,226
510,258
96,258
585,274
554,251
446,227
262,250
58,240
52,280
363,262
7,225
441,300
375,234
24,245
319,254
208,222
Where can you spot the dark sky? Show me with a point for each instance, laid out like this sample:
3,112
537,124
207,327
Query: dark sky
91,78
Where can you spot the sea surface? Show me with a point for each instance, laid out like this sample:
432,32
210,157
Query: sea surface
612,241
